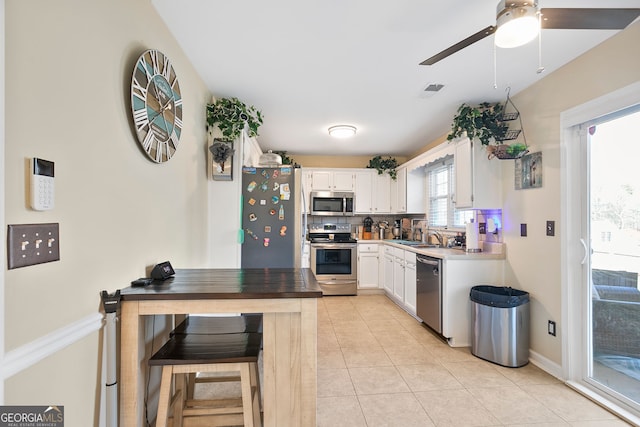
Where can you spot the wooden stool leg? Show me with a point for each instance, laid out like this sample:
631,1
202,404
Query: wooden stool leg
247,404
191,385
256,398
165,395
179,400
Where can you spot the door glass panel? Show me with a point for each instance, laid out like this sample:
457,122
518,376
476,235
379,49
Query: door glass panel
614,187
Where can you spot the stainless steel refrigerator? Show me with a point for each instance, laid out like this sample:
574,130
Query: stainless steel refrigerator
271,217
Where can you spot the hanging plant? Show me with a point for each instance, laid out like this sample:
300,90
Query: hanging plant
387,165
231,116
483,122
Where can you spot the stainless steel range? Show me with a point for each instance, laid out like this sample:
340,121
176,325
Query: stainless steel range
334,258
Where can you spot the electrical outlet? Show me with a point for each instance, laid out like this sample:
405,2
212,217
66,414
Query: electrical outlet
551,228
551,328
30,244
523,230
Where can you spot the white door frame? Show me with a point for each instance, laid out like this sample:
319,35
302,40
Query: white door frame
2,220
573,196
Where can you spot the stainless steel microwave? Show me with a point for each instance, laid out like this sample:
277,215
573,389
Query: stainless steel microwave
332,203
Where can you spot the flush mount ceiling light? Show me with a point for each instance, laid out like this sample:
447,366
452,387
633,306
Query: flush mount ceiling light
517,23
342,131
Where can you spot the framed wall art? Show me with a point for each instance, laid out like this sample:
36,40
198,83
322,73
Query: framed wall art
528,171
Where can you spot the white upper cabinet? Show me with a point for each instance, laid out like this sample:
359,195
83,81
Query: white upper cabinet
477,179
332,180
399,191
373,192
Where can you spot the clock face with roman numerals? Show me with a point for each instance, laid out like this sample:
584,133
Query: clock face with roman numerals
156,105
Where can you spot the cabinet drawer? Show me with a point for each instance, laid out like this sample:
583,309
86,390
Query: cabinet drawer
367,247
398,252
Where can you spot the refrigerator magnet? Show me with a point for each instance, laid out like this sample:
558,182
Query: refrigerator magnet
267,229
276,172
275,200
266,241
252,217
272,212
276,185
285,192
281,213
264,186
251,233
283,230
263,202
265,173
252,185
252,201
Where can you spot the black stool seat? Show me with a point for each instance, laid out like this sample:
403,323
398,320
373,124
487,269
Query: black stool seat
220,325
220,348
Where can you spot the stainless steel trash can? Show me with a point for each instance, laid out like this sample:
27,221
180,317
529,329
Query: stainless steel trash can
500,325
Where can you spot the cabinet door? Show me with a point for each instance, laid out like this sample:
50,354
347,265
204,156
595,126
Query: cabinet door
381,193
398,278
343,181
321,180
416,191
410,291
399,192
463,167
368,270
388,274
364,185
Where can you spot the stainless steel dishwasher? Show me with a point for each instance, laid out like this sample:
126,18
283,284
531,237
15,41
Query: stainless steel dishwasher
429,291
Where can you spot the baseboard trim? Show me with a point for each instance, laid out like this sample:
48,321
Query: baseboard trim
24,356
545,364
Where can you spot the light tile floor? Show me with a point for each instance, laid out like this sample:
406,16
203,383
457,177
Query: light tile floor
377,366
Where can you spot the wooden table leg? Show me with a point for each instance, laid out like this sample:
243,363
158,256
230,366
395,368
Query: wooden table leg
131,380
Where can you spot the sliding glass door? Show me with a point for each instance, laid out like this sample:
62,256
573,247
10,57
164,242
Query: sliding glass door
612,213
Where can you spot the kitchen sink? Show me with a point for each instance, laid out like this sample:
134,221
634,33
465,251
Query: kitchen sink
415,244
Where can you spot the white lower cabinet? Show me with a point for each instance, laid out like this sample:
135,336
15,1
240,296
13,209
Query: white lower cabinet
398,275
368,266
388,271
459,276
410,291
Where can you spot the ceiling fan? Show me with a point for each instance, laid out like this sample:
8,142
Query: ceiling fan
518,22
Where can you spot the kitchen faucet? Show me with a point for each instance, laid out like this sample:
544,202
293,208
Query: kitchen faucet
439,237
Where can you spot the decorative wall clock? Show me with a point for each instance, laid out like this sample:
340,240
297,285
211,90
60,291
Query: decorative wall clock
156,105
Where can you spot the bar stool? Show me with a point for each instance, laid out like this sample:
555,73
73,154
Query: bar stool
187,354
210,325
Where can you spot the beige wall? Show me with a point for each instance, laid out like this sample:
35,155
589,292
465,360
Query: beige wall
533,263
68,74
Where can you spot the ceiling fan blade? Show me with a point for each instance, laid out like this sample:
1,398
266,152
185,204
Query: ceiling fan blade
460,45
587,19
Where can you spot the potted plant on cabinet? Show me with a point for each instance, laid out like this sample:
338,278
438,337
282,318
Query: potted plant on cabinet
487,123
387,165
230,116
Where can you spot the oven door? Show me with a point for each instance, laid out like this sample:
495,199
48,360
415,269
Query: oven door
334,266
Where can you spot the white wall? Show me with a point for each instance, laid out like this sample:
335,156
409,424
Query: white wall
68,74
533,262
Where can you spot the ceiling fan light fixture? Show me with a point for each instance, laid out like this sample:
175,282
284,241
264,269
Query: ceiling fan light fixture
517,23
342,131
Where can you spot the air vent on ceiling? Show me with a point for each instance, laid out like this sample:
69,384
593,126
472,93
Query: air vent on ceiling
433,87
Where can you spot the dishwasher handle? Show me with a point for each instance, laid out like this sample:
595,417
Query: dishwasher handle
428,261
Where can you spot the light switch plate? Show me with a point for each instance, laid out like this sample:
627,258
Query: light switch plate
551,228
523,230
30,244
